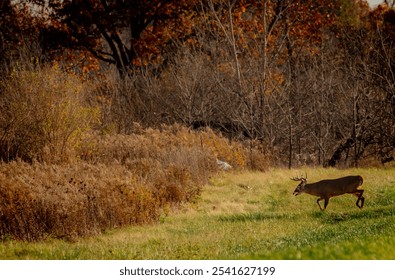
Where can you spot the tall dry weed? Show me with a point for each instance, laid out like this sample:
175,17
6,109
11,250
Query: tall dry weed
113,181
43,114
40,201
119,180
61,178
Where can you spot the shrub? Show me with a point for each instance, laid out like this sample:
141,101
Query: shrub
120,180
81,182
43,115
39,201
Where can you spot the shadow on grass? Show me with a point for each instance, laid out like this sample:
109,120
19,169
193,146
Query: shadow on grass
324,216
257,216
374,213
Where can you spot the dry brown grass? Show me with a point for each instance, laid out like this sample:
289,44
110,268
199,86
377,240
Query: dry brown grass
39,200
118,180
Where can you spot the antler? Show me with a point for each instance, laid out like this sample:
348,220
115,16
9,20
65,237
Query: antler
301,178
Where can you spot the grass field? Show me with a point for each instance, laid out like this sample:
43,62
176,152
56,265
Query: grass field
249,215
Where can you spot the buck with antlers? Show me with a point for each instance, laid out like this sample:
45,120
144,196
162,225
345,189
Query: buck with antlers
326,189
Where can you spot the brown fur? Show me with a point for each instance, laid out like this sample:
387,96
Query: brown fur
326,189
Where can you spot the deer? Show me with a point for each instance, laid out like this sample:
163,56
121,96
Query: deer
326,189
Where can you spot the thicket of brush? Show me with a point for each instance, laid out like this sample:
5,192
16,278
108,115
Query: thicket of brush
64,174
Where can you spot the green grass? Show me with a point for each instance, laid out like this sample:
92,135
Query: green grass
249,216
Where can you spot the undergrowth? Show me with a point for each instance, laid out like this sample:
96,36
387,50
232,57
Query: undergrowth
65,174
44,114
118,180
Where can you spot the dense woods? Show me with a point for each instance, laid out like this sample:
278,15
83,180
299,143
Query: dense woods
310,81
286,83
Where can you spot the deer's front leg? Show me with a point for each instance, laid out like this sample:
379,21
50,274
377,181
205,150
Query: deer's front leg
318,202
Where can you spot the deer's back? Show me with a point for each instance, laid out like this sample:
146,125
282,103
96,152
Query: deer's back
334,187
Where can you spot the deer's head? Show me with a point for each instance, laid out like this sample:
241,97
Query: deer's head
300,188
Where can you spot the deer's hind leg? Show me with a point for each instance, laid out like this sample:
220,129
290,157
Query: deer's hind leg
361,199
